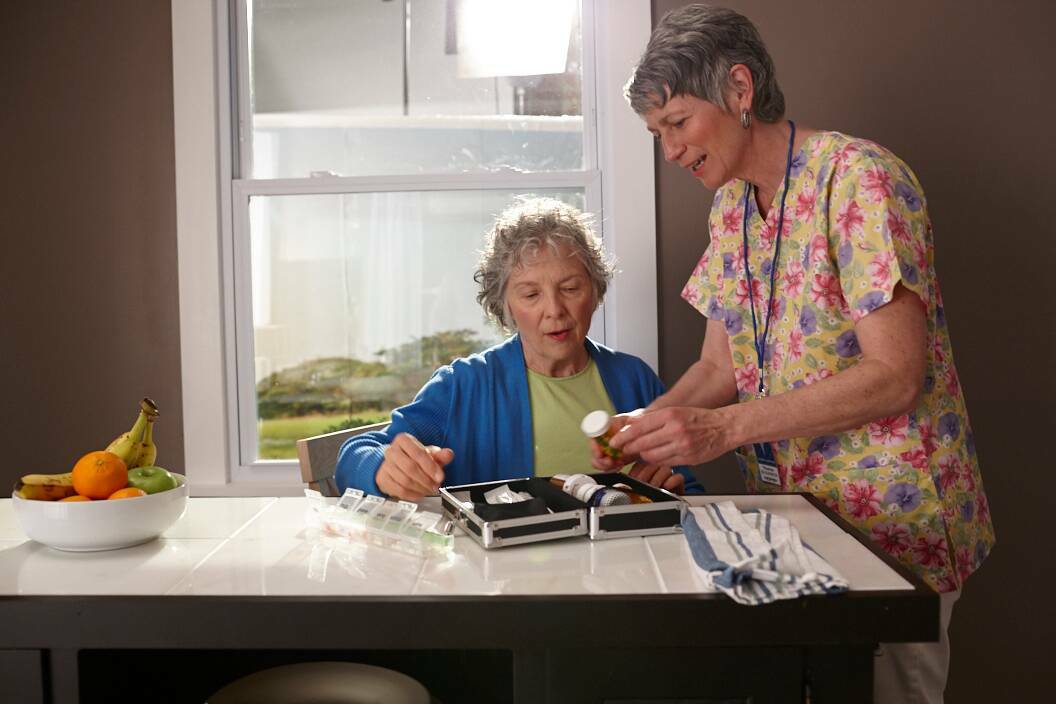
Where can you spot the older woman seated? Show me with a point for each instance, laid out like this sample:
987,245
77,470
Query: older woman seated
514,410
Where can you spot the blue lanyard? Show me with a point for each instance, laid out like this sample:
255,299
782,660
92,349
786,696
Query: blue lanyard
760,345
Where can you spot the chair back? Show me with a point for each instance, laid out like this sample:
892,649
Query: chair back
318,457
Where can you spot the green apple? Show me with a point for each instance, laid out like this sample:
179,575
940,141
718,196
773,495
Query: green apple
151,479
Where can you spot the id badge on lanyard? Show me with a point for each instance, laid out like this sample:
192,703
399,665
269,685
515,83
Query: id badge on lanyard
764,452
768,471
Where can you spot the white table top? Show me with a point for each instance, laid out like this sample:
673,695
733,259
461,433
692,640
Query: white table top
260,547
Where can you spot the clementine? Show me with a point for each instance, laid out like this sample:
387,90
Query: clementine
99,474
76,497
129,492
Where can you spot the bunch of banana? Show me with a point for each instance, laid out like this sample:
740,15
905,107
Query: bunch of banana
46,487
136,447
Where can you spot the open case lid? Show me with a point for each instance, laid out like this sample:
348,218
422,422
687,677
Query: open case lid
662,515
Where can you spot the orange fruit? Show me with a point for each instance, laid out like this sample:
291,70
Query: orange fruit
99,474
129,492
76,497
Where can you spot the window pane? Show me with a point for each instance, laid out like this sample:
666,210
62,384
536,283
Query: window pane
357,298
426,86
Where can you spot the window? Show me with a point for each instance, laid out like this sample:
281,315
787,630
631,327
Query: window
363,153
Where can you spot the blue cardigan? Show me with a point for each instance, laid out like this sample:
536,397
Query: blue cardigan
479,407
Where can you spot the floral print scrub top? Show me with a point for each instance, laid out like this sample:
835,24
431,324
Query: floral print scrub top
855,225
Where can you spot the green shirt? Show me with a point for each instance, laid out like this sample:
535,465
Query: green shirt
558,406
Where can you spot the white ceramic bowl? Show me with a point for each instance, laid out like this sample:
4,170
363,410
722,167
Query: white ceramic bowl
84,526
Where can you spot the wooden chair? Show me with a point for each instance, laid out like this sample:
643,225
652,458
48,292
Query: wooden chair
318,457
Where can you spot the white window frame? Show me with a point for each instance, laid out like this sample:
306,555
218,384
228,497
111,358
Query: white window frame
618,183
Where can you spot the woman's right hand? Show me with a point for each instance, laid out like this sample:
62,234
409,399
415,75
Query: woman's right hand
411,470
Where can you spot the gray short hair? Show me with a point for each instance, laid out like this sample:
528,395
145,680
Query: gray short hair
523,229
692,51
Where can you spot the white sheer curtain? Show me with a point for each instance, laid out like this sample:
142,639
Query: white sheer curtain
393,249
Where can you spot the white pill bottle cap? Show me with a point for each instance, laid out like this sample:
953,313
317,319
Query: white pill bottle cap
595,423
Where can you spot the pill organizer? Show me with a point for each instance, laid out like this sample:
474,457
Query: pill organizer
398,525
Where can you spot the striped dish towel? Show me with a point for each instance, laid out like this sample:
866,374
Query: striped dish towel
755,557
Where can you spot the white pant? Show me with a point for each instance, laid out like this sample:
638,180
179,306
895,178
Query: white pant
915,673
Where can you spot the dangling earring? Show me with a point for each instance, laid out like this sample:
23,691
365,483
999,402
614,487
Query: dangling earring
746,119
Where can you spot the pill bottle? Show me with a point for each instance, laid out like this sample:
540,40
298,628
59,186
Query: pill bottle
604,496
598,425
584,488
635,497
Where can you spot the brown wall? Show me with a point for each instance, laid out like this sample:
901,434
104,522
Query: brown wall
963,91
88,298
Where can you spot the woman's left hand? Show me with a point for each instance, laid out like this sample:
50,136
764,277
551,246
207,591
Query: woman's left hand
602,461
676,436
659,476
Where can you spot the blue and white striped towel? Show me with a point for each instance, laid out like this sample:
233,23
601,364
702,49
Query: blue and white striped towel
755,557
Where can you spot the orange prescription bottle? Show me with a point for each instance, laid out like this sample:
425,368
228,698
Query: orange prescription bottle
598,425
636,498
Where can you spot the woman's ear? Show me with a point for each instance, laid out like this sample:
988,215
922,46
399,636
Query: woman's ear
741,88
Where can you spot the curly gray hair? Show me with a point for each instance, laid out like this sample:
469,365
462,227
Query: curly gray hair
519,232
692,51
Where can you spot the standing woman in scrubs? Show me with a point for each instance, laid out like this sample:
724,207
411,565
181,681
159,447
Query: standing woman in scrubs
826,365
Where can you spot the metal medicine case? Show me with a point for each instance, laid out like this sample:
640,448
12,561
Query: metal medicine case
567,516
